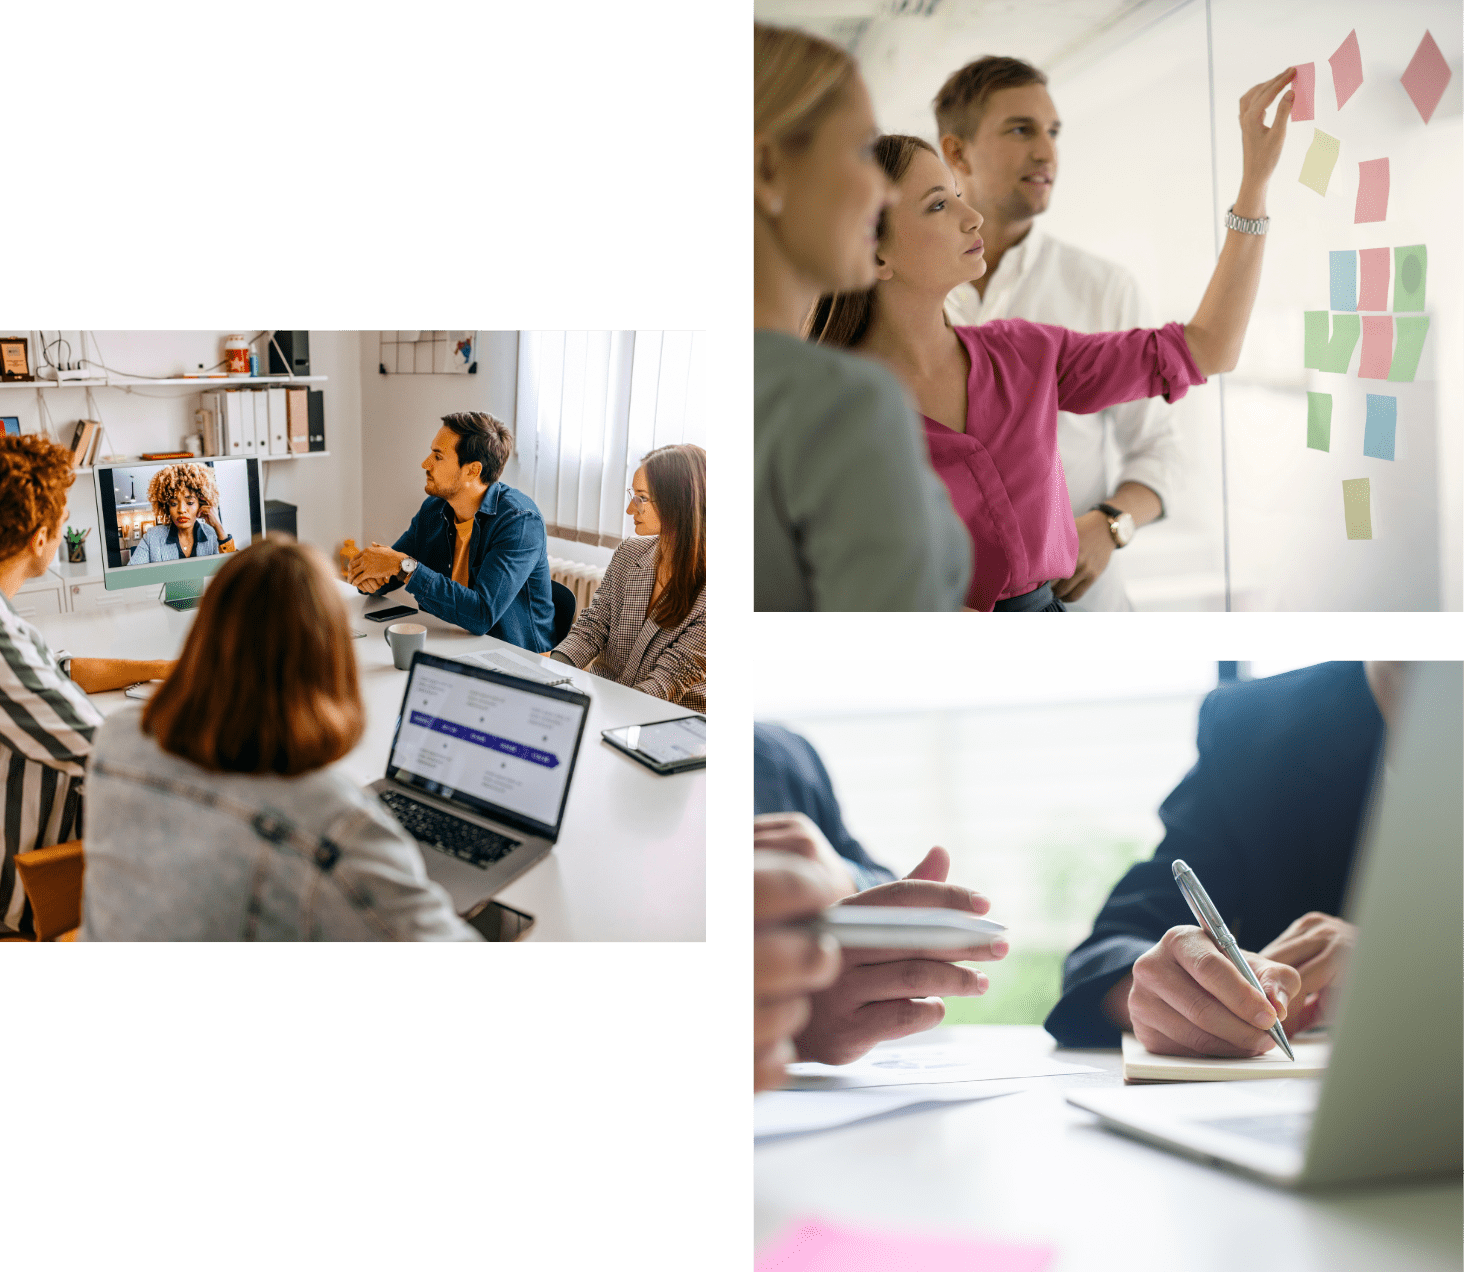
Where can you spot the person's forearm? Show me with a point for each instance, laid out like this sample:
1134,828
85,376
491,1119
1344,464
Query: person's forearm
97,675
1115,1003
1136,499
1217,331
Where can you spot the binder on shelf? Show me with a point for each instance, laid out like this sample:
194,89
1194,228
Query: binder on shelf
82,440
233,438
297,412
279,427
317,419
261,421
208,422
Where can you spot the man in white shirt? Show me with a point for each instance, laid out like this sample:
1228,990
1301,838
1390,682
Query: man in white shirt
998,132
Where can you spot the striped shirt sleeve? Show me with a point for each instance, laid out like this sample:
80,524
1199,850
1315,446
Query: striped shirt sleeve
43,715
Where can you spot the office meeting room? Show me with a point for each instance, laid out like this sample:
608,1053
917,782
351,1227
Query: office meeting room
353,635
1132,305
1108,963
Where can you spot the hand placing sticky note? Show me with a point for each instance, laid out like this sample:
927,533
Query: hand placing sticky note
1304,85
1343,270
1321,158
1410,278
1335,354
1346,65
1381,427
1319,421
1357,508
1426,77
1372,191
819,1246
1375,270
1377,347
1411,332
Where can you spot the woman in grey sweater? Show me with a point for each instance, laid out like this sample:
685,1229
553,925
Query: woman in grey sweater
847,513
214,813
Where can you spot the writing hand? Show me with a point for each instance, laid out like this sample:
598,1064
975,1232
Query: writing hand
1318,946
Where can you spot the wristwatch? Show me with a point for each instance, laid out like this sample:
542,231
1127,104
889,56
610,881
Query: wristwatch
1120,525
408,565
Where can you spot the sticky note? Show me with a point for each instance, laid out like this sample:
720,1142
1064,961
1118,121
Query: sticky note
819,1246
1410,274
1382,425
1346,69
1343,269
1321,158
1335,354
1375,269
1426,77
1372,191
1377,347
1357,507
1319,421
1305,88
1411,332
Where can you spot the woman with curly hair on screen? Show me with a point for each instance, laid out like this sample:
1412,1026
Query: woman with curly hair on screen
185,499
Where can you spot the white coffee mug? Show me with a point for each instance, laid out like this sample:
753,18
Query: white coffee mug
405,640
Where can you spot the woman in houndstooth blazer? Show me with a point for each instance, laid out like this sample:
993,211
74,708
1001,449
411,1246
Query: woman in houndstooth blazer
647,625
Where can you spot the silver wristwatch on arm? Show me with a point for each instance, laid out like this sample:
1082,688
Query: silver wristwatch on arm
408,565
1246,224
1120,524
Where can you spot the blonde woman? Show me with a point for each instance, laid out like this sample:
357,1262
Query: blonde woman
185,500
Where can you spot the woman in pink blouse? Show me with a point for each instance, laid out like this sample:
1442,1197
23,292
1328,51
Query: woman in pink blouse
990,394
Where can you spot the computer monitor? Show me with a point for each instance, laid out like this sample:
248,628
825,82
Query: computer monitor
140,543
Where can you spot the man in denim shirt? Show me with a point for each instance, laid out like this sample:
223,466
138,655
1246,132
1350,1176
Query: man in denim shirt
475,553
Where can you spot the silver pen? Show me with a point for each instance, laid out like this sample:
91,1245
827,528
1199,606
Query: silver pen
1208,917
902,927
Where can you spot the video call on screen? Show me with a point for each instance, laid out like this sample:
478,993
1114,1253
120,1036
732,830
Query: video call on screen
128,514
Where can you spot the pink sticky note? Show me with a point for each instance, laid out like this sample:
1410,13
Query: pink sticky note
1346,69
1305,88
1377,347
1374,291
816,1246
1426,77
1372,191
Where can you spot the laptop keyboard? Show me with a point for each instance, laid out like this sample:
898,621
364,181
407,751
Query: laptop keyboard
449,834
1287,1130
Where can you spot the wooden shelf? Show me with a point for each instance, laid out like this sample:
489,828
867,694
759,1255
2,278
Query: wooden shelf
194,382
264,459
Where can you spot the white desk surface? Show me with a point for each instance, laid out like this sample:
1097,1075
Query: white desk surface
1031,1168
630,863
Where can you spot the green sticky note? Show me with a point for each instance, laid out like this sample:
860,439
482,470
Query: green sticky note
1319,421
1321,158
1406,352
1322,354
1410,273
1357,508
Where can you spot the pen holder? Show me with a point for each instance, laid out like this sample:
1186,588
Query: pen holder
76,552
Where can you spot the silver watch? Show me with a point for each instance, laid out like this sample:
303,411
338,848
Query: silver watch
408,565
1246,225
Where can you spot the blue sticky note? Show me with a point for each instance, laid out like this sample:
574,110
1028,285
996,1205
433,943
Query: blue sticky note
1382,426
1344,280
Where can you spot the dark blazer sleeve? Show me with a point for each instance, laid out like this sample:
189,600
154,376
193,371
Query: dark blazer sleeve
789,777
1268,817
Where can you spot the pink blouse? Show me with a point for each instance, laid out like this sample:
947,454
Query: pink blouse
1004,472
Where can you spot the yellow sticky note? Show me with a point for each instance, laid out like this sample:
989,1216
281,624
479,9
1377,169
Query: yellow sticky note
1316,168
1357,507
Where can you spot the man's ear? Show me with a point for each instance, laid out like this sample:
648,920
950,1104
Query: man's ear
767,184
954,151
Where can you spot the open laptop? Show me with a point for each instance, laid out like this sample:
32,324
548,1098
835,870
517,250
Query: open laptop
1390,1103
479,771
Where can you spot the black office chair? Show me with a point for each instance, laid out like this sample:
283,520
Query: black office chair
563,610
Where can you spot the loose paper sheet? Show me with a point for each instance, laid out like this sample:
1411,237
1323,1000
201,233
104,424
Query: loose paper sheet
1319,421
1372,191
1321,158
1376,269
1377,347
1305,88
1426,77
1357,508
1382,425
890,1065
1335,354
1342,267
1410,278
779,1113
1411,332
815,1245
1346,65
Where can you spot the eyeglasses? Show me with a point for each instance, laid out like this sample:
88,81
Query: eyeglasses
640,501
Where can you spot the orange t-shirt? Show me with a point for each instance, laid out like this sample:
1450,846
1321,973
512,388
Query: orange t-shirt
460,551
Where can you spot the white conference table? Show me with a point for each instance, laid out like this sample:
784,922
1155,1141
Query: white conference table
630,862
1030,1168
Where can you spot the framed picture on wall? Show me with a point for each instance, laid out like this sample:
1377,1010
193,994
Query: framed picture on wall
12,425
14,360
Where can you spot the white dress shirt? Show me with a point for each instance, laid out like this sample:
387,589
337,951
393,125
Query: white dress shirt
1044,280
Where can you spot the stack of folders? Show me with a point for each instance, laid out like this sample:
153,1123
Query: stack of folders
248,423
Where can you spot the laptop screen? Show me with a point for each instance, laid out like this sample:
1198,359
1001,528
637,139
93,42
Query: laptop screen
500,746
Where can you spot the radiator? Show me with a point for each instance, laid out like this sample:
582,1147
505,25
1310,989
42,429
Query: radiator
583,580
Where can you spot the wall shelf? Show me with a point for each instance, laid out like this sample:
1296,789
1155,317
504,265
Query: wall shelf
193,382
263,459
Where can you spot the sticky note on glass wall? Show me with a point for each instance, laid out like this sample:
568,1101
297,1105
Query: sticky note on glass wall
1334,354
1305,88
1357,507
1377,347
1372,191
1382,426
1375,269
1426,77
1410,274
1343,269
1321,158
1319,421
1346,65
1411,332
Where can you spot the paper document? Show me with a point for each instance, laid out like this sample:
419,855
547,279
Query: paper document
776,1113
1142,1065
894,1065
543,671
